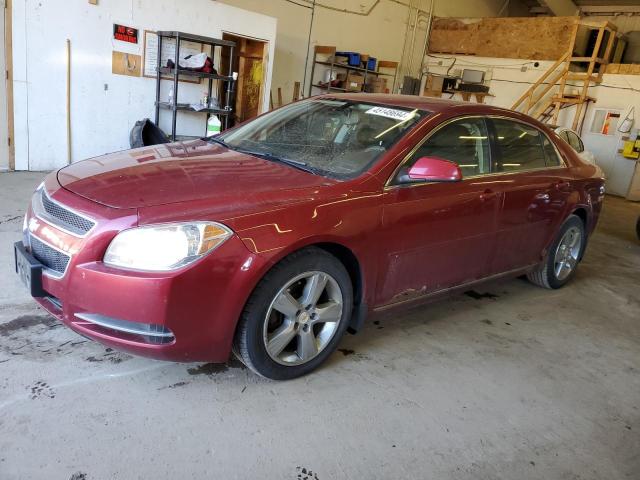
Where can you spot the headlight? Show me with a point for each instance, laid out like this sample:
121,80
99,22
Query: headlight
165,247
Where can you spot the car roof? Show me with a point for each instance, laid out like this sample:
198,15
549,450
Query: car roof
430,104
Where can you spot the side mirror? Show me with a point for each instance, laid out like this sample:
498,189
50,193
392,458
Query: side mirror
435,169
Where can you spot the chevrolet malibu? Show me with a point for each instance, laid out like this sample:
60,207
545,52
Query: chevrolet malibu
276,237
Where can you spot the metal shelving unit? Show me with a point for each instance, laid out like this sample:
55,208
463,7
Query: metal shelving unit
176,73
330,51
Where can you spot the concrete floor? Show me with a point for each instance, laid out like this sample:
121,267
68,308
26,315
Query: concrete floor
524,383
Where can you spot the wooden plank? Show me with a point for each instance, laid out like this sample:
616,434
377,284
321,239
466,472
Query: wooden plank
542,78
587,59
613,68
387,64
541,109
279,96
296,91
325,49
625,69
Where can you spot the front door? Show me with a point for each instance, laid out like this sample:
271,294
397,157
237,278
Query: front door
437,235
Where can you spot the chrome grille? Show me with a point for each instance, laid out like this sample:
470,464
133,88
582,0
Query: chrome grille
50,257
65,218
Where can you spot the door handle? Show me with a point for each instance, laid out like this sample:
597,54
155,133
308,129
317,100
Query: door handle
543,196
562,186
487,195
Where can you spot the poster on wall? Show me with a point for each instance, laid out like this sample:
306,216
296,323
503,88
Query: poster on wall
168,52
125,34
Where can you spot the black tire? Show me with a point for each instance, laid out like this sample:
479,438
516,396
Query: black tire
638,228
544,275
249,344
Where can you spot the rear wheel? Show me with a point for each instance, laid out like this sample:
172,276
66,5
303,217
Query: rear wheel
296,315
563,256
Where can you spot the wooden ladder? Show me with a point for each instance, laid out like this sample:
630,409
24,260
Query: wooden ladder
542,103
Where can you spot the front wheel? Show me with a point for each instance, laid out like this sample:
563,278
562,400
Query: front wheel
296,316
563,256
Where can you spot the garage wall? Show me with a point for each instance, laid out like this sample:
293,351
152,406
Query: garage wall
381,33
104,107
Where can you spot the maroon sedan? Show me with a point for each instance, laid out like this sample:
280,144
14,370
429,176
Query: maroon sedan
276,237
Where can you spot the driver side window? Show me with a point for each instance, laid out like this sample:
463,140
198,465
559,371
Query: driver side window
465,142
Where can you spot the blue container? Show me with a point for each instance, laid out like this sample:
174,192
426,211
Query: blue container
354,57
371,64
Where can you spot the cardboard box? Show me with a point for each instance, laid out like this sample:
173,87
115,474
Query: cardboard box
376,85
433,86
354,83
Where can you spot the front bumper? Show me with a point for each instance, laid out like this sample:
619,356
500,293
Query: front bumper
184,315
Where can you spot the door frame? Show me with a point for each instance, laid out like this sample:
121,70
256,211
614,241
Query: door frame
265,66
8,55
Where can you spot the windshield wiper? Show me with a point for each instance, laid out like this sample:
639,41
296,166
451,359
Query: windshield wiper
219,141
287,161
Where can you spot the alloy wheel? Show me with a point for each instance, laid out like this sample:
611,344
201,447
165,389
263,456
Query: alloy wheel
302,318
567,253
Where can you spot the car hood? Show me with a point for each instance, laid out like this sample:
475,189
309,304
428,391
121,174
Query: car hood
184,172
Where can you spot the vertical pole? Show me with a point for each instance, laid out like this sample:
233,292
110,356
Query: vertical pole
306,58
174,110
210,87
313,69
68,101
158,66
230,86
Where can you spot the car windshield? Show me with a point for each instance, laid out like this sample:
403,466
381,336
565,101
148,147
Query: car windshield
332,137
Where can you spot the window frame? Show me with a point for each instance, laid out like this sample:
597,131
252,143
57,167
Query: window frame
493,151
580,142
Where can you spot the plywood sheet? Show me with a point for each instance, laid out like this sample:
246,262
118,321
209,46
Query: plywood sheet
540,38
126,64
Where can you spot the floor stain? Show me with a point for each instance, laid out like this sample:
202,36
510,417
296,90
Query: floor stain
215,368
78,476
110,356
306,474
346,351
487,321
41,389
27,321
175,385
479,296
10,219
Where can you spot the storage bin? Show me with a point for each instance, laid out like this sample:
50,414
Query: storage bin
353,58
371,63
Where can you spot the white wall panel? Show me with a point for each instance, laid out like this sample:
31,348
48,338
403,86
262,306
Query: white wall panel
102,118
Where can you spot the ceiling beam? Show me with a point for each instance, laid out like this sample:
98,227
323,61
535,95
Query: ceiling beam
608,9
561,8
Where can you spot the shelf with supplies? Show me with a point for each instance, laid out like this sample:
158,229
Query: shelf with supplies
187,107
359,76
172,73
193,73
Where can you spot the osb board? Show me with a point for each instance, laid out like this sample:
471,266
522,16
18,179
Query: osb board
540,38
623,68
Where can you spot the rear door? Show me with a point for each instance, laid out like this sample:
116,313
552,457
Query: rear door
529,170
437,235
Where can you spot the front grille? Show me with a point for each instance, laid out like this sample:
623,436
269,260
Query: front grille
50,257
65,218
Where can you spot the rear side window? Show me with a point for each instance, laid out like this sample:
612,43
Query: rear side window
521,147
575,142
551,154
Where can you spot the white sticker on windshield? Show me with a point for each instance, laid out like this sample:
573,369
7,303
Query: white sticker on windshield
390,113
